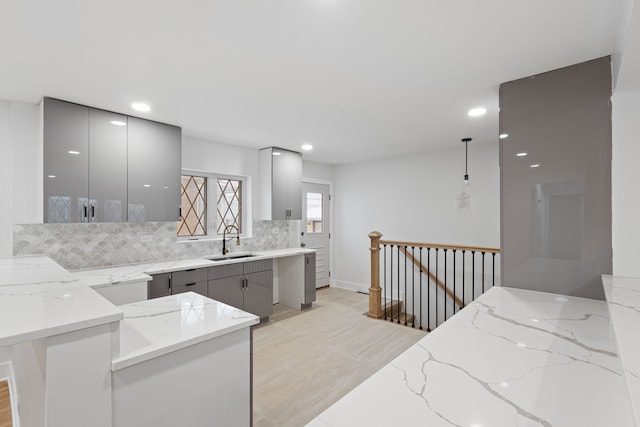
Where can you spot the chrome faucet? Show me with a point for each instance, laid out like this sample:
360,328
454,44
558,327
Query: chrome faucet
225,250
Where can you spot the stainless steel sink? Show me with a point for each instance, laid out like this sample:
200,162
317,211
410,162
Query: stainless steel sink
230,256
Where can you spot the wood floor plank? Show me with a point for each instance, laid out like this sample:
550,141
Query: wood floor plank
5,405
306,361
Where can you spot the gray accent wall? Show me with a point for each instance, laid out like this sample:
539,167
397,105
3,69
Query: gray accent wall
556,218
79,246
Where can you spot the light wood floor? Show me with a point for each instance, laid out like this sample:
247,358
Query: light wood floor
5,405
303,362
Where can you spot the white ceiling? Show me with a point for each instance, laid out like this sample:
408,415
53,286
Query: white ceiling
359,79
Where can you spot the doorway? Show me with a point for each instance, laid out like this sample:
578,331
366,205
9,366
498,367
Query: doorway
315,227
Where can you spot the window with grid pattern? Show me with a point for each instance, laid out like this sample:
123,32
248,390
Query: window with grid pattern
229,204
193,219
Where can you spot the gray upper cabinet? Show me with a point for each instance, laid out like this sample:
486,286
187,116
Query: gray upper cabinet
66,161
101,166
280,184
85,163
107,166
154,169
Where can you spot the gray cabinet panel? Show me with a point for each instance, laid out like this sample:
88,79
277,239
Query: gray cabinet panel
188,276
309,278
247,286
228,270
556,217
261,265
279,184
227,290
154,170
107,166
282,169
294,197
66,161
197,287
258,293
159,286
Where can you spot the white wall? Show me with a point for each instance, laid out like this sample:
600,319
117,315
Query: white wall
6,192
625,201
317,171
20,169
413,198
209,156
28,166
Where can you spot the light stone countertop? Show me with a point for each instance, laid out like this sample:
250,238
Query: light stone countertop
38,299
511,358
623,296
163,325
99,277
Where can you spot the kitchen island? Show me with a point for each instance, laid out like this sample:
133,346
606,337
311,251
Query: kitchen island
77,360
511,358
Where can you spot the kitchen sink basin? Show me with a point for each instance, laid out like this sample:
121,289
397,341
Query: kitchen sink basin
230,256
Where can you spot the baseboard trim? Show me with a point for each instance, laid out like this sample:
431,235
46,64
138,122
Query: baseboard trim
352,286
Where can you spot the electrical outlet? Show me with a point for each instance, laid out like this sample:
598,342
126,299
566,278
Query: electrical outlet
146,238
275,230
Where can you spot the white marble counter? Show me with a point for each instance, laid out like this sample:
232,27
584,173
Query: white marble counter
159,326
511,358
38,299
141,272
623,296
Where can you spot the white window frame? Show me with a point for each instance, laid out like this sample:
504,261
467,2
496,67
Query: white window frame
212,199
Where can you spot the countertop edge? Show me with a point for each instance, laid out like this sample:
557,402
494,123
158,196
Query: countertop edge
143,355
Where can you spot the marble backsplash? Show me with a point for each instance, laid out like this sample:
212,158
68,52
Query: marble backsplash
78,246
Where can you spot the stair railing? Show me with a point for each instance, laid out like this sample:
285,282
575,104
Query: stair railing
424,284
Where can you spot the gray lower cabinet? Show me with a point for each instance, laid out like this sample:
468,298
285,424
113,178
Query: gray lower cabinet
176,282
194,280
159,286
248,286
309,279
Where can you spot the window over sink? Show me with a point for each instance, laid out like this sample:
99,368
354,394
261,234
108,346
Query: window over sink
197,219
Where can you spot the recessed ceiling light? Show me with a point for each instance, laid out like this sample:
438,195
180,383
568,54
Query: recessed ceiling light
118,123
146,185
51,176
476,112
307,147
521,154
73,152
535,165
275,153
140,106
504,135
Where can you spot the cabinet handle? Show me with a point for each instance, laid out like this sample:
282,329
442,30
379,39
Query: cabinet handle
190,284
84,213
307,257
93,212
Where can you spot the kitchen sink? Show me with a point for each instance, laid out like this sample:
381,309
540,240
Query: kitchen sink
230,256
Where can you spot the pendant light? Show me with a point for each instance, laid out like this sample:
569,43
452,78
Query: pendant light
466,159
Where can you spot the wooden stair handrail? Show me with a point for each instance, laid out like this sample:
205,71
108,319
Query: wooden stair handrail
440,246
432,276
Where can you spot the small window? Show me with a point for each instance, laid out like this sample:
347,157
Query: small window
193,220
229,205
314,212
